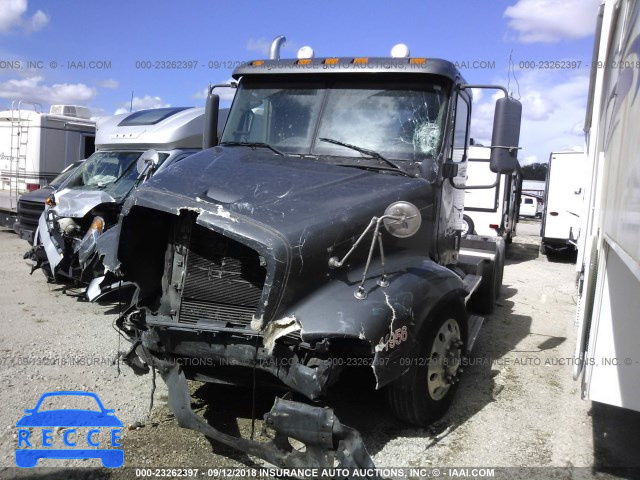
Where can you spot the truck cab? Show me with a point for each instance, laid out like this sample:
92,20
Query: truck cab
321,231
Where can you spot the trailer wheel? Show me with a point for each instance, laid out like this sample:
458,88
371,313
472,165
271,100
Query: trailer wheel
467,226
425,392
484,298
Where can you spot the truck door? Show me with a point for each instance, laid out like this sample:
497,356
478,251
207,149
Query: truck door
452,200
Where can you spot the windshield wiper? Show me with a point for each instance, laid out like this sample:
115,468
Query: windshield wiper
366,151
252,145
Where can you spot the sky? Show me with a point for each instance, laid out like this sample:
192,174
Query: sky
109,55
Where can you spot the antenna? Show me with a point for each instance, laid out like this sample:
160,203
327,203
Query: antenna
511,72
131,103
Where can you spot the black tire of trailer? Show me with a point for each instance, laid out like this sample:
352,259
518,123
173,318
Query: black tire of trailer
409,396
484,298
470,225
543,248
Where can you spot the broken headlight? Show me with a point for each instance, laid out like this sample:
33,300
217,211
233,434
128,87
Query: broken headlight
88,244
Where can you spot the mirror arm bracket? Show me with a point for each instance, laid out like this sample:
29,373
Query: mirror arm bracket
475,187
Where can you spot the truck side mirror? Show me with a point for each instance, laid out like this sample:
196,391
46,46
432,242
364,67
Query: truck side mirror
148,161
506,135
210,134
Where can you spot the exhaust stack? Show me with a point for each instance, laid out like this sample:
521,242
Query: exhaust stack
274,53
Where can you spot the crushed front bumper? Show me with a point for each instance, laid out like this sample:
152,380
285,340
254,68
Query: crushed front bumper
326,439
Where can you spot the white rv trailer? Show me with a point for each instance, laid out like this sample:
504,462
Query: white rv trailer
608,313
563,201
492,211
35,147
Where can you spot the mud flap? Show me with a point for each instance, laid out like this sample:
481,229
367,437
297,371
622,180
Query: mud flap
318,428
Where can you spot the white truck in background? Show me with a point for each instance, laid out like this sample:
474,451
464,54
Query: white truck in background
530,206
35,147
608,348
563,201
490,211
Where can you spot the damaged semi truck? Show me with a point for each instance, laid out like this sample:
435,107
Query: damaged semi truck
321,231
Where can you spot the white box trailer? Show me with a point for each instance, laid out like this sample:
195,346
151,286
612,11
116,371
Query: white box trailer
563,201
608,348
35,147
490,211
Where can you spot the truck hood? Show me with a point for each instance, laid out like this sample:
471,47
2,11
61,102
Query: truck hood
38,196
286,193
77,203
296,213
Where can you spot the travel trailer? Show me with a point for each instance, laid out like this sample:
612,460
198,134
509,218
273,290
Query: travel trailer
609,250
563,201
35,147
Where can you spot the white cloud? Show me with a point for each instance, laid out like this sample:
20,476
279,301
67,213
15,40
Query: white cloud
553,109
109,83
550,21
39,20
32,89
537,106
12,16
141,103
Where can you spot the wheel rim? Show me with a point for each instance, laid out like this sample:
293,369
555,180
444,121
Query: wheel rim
444,364
465,228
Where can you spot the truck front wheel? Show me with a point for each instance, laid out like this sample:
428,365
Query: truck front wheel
423,394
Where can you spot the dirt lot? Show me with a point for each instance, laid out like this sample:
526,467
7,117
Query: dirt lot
517,405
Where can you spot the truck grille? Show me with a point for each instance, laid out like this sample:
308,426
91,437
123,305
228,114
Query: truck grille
223,280
29,213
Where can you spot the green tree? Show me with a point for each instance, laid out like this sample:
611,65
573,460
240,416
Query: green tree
535,171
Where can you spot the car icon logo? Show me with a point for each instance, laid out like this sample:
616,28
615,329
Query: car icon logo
82,436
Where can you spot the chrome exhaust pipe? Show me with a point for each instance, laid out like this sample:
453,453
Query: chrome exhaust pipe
274,53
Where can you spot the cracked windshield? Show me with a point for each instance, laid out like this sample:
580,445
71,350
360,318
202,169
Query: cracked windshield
400,123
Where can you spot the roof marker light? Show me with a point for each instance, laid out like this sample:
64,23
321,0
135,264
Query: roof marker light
330,61
417,61
400,51
360,60
305,52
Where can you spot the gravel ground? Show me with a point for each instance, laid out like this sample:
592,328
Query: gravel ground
517,405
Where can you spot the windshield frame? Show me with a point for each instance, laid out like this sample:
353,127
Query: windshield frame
329,88
120,186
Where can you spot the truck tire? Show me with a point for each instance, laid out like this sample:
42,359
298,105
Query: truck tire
484,298
425,391
467,226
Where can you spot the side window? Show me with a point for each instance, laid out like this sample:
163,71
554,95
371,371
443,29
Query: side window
460,130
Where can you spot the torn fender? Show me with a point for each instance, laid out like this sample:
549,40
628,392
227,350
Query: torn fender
107,248
389,318
44,237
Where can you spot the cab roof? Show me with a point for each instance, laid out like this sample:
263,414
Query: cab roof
351,65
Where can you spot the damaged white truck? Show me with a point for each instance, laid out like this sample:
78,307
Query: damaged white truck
322,230
77,217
